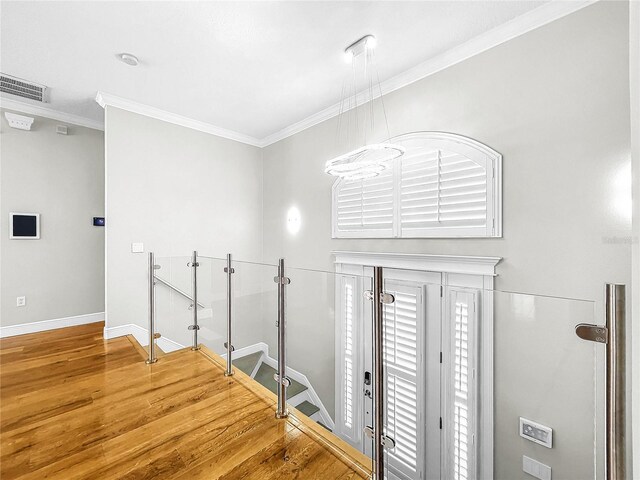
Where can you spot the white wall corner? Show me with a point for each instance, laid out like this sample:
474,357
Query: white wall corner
53,324
141,335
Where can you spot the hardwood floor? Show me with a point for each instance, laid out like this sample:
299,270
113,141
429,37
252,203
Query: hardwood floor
74,406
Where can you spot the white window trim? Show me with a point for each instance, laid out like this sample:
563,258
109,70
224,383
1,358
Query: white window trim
455,270
455,143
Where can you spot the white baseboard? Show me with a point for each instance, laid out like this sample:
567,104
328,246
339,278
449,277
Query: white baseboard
141,335
44,325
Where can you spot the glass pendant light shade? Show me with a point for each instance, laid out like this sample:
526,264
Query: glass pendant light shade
356,121
364,162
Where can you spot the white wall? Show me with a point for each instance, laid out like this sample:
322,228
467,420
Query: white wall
555,104
62,178
176,190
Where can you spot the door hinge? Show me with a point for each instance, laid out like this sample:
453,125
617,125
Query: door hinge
440,423
440,357
441,290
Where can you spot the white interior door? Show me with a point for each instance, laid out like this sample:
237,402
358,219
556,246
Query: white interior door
404,322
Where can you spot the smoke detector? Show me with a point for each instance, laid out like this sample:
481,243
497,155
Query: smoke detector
22,88
18,121
129,59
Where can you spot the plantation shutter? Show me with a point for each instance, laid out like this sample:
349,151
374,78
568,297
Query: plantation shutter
460,394
445,185
443,192
365,208
347,422
403,323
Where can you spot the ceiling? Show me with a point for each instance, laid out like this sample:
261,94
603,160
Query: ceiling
250,67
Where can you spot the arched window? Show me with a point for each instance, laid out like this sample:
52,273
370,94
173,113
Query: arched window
445,185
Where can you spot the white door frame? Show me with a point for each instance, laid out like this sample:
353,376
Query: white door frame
463,271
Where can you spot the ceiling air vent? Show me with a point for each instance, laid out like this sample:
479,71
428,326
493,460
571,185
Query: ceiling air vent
22,88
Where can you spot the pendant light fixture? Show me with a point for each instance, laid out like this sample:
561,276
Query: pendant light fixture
357,124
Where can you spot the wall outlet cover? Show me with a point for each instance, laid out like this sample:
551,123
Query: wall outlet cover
537,433
21,301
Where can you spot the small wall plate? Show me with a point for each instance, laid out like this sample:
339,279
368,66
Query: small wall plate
18,121
536,432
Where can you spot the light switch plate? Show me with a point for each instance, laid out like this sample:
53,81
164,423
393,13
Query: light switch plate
536,432
137,248
535,468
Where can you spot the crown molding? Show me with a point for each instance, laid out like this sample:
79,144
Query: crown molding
30,109
527,22
105,99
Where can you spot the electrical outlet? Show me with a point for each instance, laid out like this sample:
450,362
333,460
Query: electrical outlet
21,301
137,248
536,433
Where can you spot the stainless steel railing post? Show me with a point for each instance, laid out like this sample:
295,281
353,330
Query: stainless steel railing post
152,310
194,283
613,334
280,377
615,304
229,270
378,375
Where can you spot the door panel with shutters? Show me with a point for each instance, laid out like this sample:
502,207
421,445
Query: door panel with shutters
424,397
404,378
412,374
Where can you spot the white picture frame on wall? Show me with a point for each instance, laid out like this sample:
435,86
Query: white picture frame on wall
24,226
